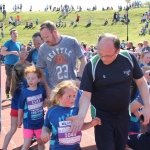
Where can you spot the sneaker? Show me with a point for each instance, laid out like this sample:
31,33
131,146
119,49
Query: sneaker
7,97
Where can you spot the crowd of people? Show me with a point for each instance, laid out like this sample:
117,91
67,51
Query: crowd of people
47,76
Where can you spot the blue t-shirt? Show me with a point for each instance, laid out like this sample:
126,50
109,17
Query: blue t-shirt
141,65
32,57
56,121
78,98
12,46
15,98
32,104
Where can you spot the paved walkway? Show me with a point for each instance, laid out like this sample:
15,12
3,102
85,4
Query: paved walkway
87,143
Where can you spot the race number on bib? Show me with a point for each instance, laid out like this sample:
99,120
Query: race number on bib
65,136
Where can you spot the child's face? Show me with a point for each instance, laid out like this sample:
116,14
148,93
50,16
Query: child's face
146,58
32,79
68,98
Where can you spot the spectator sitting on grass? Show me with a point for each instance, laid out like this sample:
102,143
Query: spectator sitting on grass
15,23
106,22
27,25
71,23
10,21
57,24
30,24
141,32
63,24
89,23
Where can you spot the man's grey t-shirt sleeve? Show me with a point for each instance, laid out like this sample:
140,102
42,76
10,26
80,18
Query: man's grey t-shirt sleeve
41,63
78,49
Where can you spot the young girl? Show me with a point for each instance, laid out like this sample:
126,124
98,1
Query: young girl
17,84
62,106
31,103
145,59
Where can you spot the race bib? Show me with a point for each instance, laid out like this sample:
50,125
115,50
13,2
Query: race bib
65,137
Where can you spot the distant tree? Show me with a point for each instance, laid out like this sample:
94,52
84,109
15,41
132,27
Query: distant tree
147,3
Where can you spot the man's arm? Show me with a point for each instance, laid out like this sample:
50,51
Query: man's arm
4,52
83,63
144,91
47,88
83,107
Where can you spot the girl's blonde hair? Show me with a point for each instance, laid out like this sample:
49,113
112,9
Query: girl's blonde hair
59,91
17,75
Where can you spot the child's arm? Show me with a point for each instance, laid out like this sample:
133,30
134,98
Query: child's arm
45,103
20,113
45,135
94,122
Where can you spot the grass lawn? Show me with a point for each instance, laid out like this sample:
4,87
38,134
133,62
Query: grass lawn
88,35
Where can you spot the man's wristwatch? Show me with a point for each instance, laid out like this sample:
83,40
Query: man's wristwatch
79,78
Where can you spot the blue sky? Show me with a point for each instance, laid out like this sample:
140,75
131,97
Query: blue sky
37,5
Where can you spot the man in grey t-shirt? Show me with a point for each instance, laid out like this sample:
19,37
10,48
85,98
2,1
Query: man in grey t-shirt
59,54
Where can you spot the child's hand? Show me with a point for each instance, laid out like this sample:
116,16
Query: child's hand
96,121
45,137
19,123
45,103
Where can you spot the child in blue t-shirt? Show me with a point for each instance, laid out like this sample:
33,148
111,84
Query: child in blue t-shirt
31,103
18,82
62,106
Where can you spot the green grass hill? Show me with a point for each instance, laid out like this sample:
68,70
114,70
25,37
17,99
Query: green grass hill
88,35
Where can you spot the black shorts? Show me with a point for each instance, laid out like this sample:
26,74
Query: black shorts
77,20
112,135
139,141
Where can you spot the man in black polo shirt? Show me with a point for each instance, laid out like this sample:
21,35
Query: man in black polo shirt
107,85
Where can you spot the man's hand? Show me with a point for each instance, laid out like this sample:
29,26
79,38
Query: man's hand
77,123
15,53
78,82
146,113
45,136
